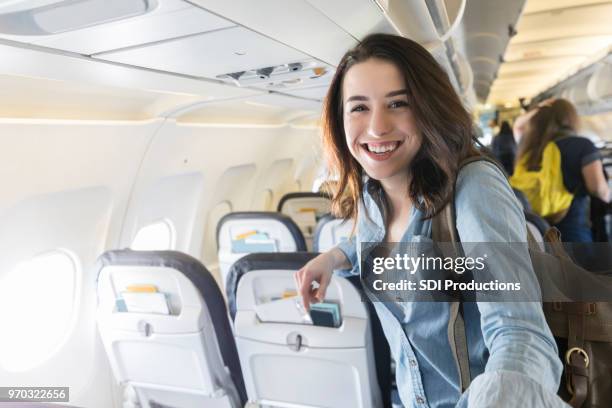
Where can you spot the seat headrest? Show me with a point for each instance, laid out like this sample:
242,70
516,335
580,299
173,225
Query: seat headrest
259,261
330,231
205,284
308,196
263,218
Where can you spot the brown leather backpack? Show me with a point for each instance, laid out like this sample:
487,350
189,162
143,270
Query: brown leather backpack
583,330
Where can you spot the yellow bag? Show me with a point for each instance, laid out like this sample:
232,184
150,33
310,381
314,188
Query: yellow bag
544,188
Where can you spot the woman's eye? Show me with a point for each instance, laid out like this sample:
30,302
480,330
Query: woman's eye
398,104
358,108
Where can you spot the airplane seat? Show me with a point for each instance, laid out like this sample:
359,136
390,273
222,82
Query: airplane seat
537,226
284,355
241,233
305,208
290,261
329,232
164,326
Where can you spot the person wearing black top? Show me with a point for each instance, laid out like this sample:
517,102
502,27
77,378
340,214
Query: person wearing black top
504,147
581,164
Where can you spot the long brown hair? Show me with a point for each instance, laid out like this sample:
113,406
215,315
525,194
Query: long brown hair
549,123
445,126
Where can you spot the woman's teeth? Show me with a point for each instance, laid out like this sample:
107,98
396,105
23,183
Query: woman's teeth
382,148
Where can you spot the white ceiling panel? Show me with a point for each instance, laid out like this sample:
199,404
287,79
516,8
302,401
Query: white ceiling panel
555,39
172,18
561,23
358,18
24,97
539,65
564,47
85,71
313,93
271,109
275,99
211,54
296,23
535,6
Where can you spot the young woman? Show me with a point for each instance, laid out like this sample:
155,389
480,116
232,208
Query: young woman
581,165
395,132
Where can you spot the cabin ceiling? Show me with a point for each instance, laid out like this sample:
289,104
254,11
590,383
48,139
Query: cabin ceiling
208,54
555,39
184,52
195,41
486,34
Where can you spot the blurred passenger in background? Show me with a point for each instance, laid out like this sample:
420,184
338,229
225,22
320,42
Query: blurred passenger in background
504,147
580,164
520,125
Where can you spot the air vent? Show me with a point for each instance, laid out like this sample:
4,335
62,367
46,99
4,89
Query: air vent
280,76
45,17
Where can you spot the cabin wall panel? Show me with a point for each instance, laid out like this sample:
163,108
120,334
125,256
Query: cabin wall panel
129,161
66,184
212,151
170,198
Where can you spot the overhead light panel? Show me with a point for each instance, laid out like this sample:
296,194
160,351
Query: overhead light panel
45,17
279,76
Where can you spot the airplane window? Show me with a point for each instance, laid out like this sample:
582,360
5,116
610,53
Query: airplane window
158,236
37,304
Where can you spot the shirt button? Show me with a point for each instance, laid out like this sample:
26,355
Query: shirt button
412,362
420,400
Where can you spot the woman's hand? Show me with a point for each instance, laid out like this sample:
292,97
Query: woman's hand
318,270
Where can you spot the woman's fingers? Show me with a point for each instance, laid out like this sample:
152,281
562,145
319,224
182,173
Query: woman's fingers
316,271
320,293
304,284
297,277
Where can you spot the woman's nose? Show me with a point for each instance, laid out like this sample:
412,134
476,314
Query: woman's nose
380,123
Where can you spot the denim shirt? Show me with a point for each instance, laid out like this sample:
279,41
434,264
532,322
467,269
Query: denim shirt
512,353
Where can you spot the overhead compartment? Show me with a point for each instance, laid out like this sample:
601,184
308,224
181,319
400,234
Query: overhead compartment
554,40
590,88
428,26
465,73
434,24
161,21
40,84
578,92
600,85
31,17
210,54
487,29
297,24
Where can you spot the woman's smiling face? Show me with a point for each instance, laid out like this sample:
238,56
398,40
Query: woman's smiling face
378,122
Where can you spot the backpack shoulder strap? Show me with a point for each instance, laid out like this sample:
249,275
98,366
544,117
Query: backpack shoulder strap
444,229
443,226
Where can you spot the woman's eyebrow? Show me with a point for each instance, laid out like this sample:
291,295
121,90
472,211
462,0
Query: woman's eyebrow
357,98
395,93
389,95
